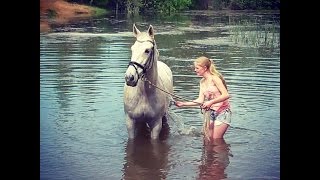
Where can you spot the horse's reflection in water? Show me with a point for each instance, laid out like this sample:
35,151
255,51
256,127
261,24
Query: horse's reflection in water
147,159
214,160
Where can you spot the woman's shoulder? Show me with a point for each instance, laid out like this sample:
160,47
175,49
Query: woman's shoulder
215,78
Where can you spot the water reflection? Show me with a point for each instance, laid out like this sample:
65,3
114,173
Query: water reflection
146,159
214,160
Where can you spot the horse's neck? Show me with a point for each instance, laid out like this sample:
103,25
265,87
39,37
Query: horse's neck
152,74
151,77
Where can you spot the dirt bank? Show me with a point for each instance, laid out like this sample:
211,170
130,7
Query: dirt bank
60,11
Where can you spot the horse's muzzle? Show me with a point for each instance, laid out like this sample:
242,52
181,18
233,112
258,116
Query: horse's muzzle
130,80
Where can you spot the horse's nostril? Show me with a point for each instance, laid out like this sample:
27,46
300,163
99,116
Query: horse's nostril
131,78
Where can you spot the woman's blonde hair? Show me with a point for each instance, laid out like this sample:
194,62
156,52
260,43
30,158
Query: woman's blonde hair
206,62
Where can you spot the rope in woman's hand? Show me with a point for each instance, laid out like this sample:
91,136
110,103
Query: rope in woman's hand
171,102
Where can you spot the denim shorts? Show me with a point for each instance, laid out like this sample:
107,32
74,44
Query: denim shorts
223,117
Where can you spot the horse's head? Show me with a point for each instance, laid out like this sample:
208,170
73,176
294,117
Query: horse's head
143,55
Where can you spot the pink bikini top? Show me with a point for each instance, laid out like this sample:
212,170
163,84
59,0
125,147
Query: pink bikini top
213,92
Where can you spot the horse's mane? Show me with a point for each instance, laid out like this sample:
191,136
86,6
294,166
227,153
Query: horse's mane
156,49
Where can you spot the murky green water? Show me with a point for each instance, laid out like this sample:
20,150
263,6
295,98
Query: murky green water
82,128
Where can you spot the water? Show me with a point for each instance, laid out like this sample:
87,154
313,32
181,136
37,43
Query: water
82,129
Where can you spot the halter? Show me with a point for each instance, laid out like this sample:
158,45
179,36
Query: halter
148,64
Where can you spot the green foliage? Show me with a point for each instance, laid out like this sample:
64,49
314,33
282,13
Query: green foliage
134,6
100,3
169,6
217,4
254,4
173,6
99,11
161,6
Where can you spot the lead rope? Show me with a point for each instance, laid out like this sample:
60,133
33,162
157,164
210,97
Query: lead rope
172,101
185,99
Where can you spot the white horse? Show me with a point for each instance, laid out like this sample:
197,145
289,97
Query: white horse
146,101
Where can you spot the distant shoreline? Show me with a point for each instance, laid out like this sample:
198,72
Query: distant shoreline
60,11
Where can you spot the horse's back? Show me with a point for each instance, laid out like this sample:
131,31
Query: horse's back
165,75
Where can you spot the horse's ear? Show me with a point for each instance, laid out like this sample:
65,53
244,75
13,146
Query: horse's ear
135,30
151,31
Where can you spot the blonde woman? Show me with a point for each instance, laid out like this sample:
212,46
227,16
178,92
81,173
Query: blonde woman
213,97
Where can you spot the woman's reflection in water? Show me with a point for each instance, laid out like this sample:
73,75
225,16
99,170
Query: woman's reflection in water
214,160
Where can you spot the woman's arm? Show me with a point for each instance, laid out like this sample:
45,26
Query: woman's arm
195,102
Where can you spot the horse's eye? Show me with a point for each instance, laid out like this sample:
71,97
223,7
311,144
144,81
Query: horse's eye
147,51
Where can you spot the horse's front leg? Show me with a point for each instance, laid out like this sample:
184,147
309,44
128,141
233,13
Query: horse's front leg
156,128
130,127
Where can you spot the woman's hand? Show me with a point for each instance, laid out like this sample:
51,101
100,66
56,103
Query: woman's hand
206,105
179,103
